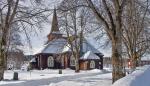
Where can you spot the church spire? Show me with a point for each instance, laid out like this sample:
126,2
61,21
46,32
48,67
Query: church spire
54,33
54,27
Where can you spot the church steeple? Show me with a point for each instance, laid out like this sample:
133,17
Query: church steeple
54,27
54,33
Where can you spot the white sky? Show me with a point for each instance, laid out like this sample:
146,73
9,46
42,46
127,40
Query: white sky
38,41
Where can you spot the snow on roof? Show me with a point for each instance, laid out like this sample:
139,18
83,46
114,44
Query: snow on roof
66,48
145,57
56,32
89,55
85,47
33,60
88,47
55,46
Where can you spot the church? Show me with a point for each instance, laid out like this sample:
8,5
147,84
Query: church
57,55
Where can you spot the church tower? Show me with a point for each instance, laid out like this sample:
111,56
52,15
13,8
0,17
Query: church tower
54,33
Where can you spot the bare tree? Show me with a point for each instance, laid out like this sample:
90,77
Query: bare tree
14,12
110,15
5,25
135,34
73,22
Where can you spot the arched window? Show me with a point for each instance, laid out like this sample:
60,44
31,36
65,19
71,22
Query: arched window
72,61
92,64
50,61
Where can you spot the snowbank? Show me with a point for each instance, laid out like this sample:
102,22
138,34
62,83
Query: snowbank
140,77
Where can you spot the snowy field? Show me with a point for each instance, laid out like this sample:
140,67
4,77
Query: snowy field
52,78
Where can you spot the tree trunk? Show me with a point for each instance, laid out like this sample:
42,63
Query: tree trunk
117,61
77,66
2,67
134,62
1,72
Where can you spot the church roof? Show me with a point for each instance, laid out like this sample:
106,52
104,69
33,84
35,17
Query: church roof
89,55
55,46
86,46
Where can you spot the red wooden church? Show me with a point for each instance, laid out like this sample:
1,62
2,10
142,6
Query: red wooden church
56,56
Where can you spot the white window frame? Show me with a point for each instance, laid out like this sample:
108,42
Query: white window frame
50,61
92,64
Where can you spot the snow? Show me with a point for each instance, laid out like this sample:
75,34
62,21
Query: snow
66,48
49,77
33,60
56,32
140,77
9,82
145,57
96,80
86,46
89,55
55,46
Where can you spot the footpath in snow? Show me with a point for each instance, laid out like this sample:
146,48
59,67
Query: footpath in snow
52,78
140,77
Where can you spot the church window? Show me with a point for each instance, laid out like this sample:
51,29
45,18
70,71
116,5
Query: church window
92,64
50,61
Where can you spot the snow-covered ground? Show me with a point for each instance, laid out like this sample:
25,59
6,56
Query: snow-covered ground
51,77
97,80
95,77
140,77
